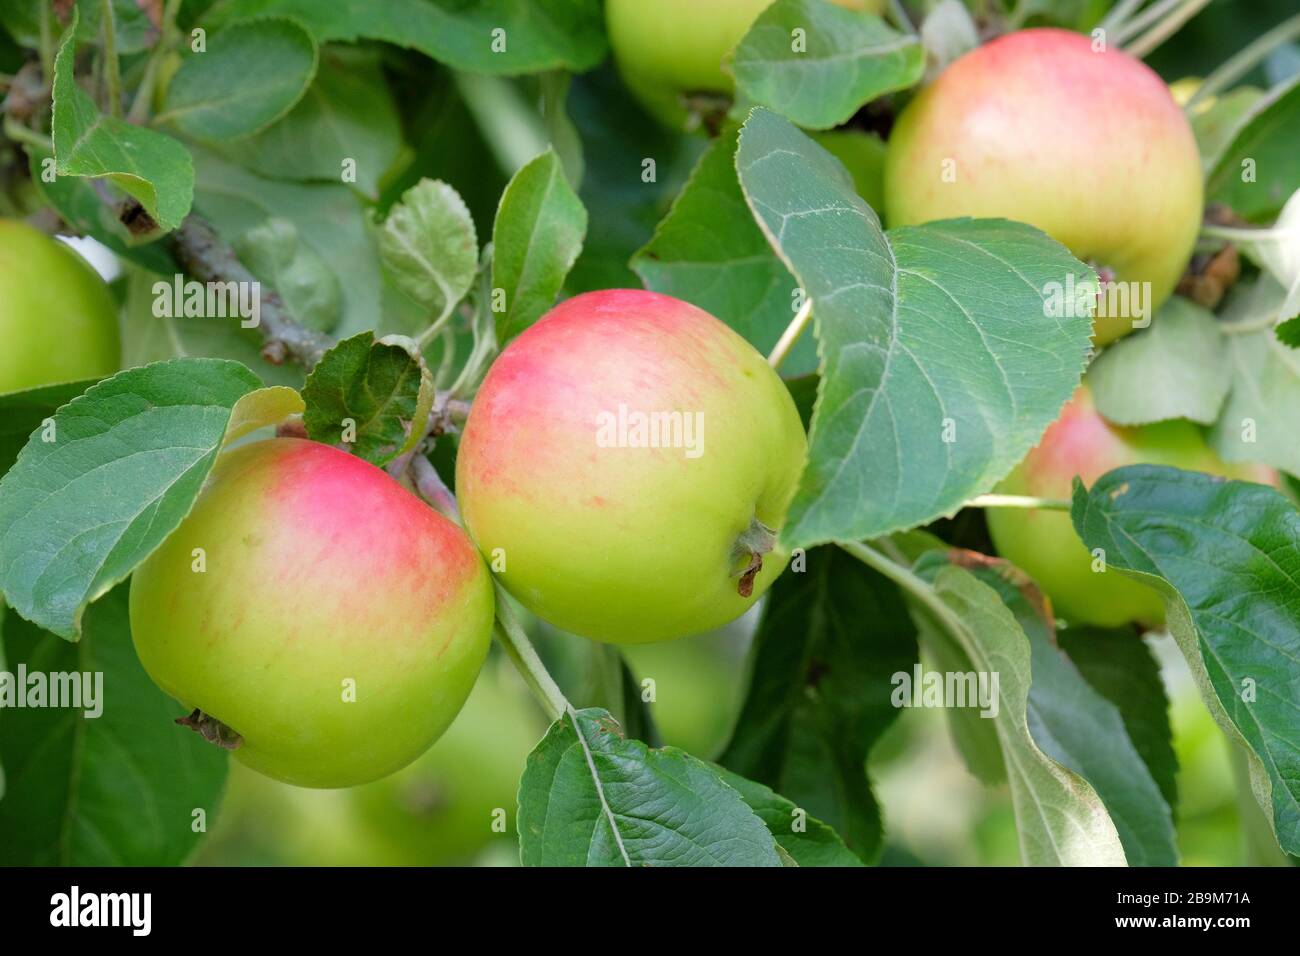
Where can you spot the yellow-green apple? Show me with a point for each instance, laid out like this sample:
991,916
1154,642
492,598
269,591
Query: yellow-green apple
671,49
58,322
1044,543
317,609
1086,144
442,810
626,466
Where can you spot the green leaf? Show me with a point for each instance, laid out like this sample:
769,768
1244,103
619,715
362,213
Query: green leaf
276,254
1259,169
1276,250
634,167
1226,558
375,396
807,840
22,413
346,117
125,788
709,251
4,667
831,639
589,797
1288,333
863,155
974,737
79,512
560,128
600,675
153,168
80,206
134,31
329,219
1177,368
941,361
534,35
252,74
949,32
1075,725
536,240
1120,666
818,63
1060,818
430,247
1215,123
1258,423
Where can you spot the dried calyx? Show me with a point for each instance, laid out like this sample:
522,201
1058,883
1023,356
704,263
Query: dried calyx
757,540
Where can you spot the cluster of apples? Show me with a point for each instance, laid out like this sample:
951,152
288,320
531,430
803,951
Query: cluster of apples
337,623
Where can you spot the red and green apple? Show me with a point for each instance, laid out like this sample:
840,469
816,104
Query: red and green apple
626,466
1085,143
319,610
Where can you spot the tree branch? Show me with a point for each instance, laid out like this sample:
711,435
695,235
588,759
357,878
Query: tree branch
206,257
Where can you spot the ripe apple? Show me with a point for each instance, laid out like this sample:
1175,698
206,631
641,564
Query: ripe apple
316,608
591,529
58,322
1088,146
675,48
439,811
1044,543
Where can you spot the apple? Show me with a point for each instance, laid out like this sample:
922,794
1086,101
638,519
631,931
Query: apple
442,808
1044,543
626,466
439,811
1088,146
672,49
316,608
58,321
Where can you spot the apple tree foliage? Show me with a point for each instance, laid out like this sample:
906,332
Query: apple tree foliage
414,183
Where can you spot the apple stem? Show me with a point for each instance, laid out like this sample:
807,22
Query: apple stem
47,51
211,730
112,67
901,20
1168,17
1245,60
1119,15
1018,501
433,489
514,641
791,335
757,540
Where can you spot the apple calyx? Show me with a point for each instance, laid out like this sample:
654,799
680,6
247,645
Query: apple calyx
757,540
211,730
